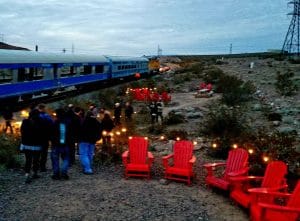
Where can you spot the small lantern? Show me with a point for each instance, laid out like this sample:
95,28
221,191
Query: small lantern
214,145
137,75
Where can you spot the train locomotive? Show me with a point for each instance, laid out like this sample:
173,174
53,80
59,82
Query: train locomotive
25,74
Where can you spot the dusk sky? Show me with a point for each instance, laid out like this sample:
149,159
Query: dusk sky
137,27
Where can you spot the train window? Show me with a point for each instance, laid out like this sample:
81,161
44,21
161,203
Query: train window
86,69
99,68
21,74
38,73
5,75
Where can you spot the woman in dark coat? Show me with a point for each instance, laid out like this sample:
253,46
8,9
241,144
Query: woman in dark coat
31,143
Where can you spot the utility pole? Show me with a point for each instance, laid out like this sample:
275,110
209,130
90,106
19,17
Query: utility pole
230,49
291,43
159,51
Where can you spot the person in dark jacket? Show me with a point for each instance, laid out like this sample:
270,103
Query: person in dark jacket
75,124
117,113
107,124
60,138
31,143
8,117
47,122
153,111
128,111
90,133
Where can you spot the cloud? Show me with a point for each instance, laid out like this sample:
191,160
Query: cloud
136,27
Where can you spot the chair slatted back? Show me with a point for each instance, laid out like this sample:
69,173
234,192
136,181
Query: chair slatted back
138,148
236,161
274,174
294,200
183,152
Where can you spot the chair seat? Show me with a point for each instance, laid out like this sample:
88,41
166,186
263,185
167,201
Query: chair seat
217,182
269,215
179,171
241,197
137,167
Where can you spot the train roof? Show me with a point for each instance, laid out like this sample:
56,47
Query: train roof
126,58
18,56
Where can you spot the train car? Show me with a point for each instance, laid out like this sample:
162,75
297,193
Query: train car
124,67
27,73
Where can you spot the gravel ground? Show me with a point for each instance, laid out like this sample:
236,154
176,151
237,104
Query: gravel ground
106,195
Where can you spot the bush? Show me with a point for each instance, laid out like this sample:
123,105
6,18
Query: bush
174,118
235,91
224,125
9,152
284,84
107,97
213,76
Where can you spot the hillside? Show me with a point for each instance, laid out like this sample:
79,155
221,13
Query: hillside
11,47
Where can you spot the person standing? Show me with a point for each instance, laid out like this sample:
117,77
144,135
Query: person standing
117,113
90,133
31,143
159,105
153,111
107,125
8,117
60,139
47,123
128,111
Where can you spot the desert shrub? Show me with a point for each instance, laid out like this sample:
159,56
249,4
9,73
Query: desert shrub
174,118
213,76
9,152
235,91
197,69
224,125
284,84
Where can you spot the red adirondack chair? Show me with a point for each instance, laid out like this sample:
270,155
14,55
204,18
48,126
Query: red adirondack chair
183,161
137,160
267,207
273,180
236,165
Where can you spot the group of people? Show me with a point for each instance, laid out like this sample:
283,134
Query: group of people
69,128
156,111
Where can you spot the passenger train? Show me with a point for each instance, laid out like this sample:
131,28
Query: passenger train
24,74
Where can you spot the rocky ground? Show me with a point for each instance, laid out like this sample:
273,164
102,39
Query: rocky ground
106,195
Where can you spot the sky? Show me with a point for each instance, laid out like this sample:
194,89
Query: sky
137,27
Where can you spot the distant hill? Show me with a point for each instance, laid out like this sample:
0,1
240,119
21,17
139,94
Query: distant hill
11,47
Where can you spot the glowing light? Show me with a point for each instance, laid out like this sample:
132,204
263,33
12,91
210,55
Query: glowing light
266,159
234,146
251,151
129,138
214,145
104,133
146,138
111,134
162,137
124,130
18,124
118,133
195,142
177,138
54,114
24,113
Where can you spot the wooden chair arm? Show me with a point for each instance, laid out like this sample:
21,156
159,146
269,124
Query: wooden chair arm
240,179
166,158
212,165
150,157
193,160
125,157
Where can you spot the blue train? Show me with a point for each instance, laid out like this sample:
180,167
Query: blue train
24,74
